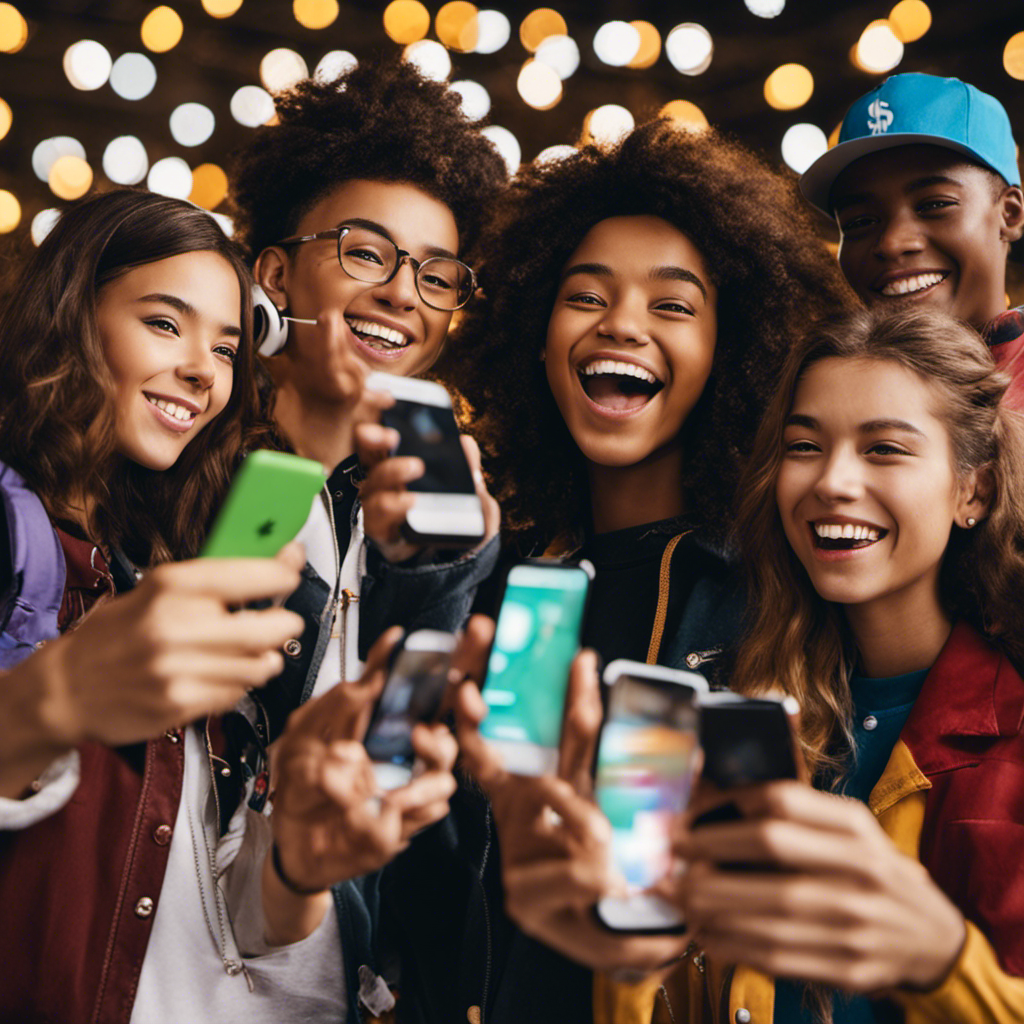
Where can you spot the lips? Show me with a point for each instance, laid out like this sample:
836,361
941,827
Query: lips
835,537
615,385
909,284
177,414
378,340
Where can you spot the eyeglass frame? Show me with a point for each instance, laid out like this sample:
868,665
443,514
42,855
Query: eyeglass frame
401,256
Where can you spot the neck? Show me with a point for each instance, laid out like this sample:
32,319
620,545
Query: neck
316,428
624,496
900,633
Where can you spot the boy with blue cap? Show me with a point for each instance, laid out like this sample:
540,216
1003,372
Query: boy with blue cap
925,188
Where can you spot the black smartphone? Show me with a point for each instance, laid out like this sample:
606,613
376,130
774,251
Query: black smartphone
447,512
413,693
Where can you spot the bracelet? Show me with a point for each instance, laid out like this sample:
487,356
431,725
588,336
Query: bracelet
296,890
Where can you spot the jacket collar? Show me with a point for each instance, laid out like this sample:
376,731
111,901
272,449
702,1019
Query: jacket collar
972,690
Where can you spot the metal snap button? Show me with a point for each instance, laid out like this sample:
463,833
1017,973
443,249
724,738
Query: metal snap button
144,908
172,735
39,643
742,1016
692,659
293,648
162,834
870,723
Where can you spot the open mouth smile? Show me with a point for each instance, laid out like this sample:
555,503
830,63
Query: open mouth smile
912,284
380,339
176,414
617,386
844,536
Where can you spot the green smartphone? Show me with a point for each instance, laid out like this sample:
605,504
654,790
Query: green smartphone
269,501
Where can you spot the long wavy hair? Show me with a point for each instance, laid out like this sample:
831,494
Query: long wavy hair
57,393
800,643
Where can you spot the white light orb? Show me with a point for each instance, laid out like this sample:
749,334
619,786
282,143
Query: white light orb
192,124
87,64
802,145
538,85
42,224
610,123
765,8
281,69
170,177
878,49
689,48
49,151
554,153
252,106
227,225
334,64
506,144
430,58
474,98
125,160
617,43
133,76
493,31
561,54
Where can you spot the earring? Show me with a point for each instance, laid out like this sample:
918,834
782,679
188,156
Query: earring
971,521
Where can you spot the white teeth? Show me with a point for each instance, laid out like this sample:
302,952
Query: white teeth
179,412
388,334
906,285
846,531
619,369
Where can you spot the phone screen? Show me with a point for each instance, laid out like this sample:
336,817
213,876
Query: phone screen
536,638
430,432
645,771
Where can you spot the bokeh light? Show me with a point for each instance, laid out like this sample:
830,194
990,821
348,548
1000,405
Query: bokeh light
910,19
616,43
802,145
192,124
13,29
50,150
474,98
506,144
539,85
684,114
788,87
878,49
162,29
689,48
561,54
315,14
10,211
493,31
70,177
650,45
133,76
87,64
221,8
457,26
1013,56
431,58
6,118
252,106
406,21
209,186
607,124
280,69
43,223
765,8
540,24
833,138
553,153
125,161
334,64
170,177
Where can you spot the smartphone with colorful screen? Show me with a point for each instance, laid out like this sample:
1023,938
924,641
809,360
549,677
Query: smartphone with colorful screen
536,638
647,760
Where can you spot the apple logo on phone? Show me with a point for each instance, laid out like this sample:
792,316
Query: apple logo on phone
267,528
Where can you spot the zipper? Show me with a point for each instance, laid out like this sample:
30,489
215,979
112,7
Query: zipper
487,914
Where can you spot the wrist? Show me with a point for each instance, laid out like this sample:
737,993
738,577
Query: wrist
281,875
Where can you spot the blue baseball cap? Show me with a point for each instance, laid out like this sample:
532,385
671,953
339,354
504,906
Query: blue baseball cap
915,108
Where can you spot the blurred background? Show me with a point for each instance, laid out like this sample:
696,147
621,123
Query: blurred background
95,92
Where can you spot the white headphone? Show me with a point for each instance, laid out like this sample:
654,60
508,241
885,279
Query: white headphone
270,325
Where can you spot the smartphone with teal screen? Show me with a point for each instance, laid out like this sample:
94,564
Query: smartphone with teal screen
647,760
268,503
536,638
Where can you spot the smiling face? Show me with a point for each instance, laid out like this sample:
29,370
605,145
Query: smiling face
922,224
170,332
867,491
631,338
388,326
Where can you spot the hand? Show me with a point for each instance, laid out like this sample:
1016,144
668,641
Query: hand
847,909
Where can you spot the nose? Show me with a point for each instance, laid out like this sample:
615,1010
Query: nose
199,368
625,322
840,479
400,292
898,235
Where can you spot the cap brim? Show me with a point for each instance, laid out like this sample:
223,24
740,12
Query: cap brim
816,182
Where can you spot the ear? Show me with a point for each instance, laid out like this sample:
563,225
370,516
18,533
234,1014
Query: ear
1011,204
271,273
977,491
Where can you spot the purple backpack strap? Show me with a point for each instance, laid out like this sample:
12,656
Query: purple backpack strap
28,616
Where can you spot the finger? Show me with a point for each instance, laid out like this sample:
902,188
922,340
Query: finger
293,555
544,887
375,442
435,746
469,661
215,669
230,580
392,474
244,631
491,508
579,817
430,788
479,758
384,513
583,715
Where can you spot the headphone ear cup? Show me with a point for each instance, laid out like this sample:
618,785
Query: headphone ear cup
269,327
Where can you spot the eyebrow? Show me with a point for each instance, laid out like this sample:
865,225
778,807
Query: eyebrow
798,419
372,225
187,309
663,273
855,198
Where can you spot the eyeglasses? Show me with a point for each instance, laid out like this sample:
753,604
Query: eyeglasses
442,282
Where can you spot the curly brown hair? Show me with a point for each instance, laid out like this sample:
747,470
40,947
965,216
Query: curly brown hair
759,245
381,121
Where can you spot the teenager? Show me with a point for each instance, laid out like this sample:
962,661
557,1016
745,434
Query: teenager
925,189
640,300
